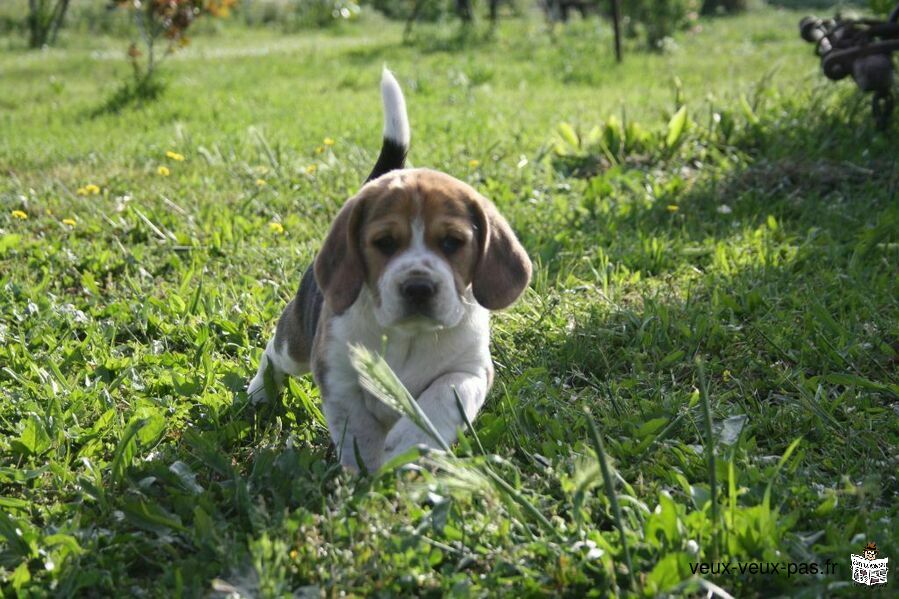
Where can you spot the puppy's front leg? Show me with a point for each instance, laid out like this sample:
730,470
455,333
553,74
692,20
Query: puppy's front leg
439,404
353,428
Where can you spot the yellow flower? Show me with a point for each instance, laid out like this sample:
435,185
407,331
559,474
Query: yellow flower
164,171
175,156
48,211
474,163
82,191
311,169
726,375
671,208
92,189
328,141
69,221
276,227
294,554
19,214
260,183
319,149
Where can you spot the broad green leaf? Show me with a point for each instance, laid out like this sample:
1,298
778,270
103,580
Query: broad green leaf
671,358
9,241
568,134
650,427
151,517
20,576
126,449
149,433
34,439
14,503
748,111
68,542
186,476
211,456
728,431
852,380
676,127
10,531
669,572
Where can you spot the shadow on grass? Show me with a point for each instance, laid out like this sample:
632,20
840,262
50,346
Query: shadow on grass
779,273
788,296
812,203
131,93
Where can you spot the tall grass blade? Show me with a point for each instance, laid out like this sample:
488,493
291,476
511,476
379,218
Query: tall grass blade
710,456
467,422
600,450
377,378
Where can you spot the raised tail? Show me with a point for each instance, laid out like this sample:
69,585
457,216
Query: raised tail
395,145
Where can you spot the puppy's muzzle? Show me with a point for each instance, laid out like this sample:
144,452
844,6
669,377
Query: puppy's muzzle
418,292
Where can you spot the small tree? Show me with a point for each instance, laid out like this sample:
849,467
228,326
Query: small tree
164,21
45,17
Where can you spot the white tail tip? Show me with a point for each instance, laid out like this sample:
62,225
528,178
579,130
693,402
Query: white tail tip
396,122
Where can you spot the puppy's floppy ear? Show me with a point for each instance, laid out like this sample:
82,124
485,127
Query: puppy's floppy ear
503,269
339,270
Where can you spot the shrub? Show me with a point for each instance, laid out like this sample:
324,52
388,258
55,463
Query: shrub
659,19
156,21
881,7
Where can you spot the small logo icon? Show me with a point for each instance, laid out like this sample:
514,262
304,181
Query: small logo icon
867,569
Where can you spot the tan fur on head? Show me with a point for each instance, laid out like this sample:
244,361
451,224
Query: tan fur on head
460,227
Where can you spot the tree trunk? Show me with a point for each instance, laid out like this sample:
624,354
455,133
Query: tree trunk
44,20
616,22
59,16
34,24
463,9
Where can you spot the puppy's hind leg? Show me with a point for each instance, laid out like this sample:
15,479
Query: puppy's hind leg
280,363
289,350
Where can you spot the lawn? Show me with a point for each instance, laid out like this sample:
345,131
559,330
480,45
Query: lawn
716,290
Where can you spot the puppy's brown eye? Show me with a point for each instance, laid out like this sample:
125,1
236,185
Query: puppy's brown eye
450,245
387,245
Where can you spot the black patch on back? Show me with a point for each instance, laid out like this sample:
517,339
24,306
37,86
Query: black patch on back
309,303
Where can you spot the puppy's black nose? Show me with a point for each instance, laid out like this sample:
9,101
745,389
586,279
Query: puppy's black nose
418,290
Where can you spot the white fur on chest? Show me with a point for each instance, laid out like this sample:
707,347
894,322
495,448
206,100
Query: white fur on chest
417,357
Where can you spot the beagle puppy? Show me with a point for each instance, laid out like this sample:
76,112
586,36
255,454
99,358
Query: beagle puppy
410,269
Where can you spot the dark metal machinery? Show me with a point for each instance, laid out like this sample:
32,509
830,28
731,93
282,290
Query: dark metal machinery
862,48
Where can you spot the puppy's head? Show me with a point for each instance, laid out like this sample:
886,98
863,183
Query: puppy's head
423,243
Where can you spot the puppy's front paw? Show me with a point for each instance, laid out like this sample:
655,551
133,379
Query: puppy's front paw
404,435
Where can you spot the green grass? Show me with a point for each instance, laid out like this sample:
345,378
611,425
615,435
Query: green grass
728,302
